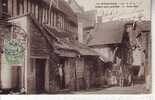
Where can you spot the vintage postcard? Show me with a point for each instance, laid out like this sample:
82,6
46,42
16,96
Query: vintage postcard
75,47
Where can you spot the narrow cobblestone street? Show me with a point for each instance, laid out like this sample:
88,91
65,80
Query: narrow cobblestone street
137,89
63,47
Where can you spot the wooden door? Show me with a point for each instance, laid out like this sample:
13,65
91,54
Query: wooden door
40,75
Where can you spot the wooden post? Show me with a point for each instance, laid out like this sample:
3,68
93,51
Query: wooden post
29,6
20,7
51,17
76,85
148,68
41,14
49,13
14,7
43,20
46,15
10,7
25,6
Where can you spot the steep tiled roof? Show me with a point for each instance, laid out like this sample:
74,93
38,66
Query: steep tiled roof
73,46
83,49
107,33
78,47
112,32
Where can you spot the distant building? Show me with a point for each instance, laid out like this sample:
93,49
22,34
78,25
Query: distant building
139,34
86,21
114,42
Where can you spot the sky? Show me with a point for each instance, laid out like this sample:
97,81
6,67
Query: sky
142,7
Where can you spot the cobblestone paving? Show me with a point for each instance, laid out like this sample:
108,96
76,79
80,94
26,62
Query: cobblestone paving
137,89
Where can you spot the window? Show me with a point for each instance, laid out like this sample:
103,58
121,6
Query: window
32,60
36,11
54,20
30,6
33,8
51,18
18,7
63,23
48,16
22,6
58,21
27,5
41,14
4,6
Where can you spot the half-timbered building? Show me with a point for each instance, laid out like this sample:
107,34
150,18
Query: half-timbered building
39,51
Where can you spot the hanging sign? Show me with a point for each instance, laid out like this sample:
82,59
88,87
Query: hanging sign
14,51
14,46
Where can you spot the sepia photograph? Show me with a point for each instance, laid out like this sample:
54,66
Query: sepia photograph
75,47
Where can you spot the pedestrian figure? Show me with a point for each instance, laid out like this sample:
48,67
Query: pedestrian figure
60,75
121,78
130,79
115,80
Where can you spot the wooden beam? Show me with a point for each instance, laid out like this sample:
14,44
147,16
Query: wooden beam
29,6
14,7
20,8
25,6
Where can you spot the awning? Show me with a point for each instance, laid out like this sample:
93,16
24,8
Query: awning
66,53
85,50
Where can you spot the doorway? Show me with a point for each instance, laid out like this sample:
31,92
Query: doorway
16,78
62,74
40,75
